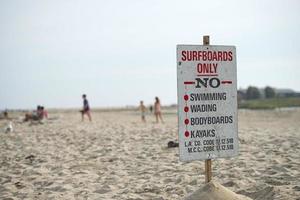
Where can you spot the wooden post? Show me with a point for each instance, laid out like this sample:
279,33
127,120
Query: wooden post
206,40
208,171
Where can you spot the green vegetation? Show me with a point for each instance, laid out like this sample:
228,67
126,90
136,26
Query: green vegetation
269,92
270,103
252,93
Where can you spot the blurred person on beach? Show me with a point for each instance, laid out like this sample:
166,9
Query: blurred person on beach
157,110
86,109
4,115
37,115
151,108
31,116
143,109
43,113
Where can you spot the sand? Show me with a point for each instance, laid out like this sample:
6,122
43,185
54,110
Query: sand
215,191
118,157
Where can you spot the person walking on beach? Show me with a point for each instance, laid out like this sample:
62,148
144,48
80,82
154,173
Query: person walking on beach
157,110
143,109
86,108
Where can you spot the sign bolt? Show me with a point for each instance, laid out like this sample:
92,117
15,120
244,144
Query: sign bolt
186,121
186,109
186,97
187,134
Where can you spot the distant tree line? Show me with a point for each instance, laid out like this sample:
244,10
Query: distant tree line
268,92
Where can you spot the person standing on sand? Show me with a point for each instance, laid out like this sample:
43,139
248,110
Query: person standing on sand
86,109
157,110
143,109
151,108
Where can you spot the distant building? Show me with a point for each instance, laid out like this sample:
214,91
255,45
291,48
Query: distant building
286,93
241,95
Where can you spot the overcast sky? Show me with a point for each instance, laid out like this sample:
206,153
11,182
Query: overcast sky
120,52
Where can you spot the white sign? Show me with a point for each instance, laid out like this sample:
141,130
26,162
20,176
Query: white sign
207,102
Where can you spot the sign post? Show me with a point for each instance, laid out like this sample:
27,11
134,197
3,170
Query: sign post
208,163
207,102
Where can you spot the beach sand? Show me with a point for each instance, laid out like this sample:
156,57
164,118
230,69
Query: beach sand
118,157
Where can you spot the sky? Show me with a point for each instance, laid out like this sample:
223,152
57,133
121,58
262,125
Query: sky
120,52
